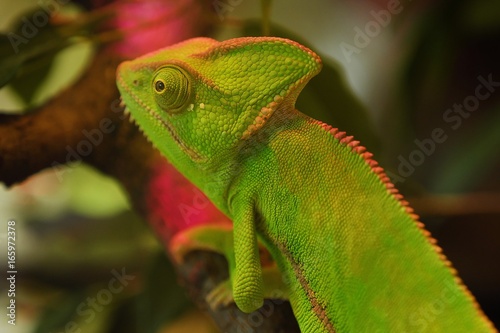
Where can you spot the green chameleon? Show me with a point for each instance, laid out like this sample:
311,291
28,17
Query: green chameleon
351,254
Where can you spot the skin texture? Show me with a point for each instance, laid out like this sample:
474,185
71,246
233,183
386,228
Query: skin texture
351,254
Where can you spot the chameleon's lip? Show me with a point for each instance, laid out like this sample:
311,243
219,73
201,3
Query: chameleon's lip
152,113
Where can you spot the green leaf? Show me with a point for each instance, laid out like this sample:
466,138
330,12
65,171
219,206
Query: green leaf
33,71
328,97
9,63
55,318
92,193
27,55
162,300
27,52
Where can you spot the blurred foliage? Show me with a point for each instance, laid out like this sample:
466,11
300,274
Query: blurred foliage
28,51
477,156
156,306
108,200
480,16
143,305
448,54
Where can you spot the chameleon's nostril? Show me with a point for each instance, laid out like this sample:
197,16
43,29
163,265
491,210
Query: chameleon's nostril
135,82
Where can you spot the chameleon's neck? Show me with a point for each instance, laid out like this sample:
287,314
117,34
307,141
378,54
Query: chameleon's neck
218,177
215,177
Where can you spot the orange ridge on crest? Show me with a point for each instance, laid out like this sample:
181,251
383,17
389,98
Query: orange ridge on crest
379,171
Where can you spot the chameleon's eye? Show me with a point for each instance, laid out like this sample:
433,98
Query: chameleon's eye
172,88
159,86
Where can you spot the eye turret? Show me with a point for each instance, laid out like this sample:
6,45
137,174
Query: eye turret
172,88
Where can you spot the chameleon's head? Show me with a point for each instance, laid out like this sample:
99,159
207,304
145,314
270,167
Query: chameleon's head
200,98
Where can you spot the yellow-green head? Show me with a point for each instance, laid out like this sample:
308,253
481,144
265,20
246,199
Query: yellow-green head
198,99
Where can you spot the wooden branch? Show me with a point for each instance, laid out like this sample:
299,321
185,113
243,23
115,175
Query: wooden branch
456,204
54,134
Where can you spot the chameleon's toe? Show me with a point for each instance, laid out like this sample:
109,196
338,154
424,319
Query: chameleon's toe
220,296
248,297
249,305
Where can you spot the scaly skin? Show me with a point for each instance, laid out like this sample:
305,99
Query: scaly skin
352,255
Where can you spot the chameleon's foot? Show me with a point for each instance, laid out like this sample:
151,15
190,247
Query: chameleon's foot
220,296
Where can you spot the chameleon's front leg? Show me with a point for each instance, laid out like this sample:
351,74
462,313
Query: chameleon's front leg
219,238
248,291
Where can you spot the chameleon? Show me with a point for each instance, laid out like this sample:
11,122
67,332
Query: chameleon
351,255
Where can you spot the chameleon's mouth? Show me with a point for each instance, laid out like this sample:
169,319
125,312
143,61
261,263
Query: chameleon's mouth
156,118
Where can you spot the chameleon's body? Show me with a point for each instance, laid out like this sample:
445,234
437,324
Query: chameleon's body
353,256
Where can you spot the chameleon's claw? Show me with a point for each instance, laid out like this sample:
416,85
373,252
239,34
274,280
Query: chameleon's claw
220,296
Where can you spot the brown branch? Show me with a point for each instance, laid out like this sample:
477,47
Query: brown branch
456,204
47,136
